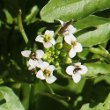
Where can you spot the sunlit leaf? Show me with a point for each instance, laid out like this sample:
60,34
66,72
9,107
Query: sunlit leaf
89,106
72,9
98,68
11,100
98,36
107,103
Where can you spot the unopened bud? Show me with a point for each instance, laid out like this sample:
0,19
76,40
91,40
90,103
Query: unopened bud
59,45
67,60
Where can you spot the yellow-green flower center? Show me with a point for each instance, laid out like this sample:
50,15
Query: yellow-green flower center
73,43
47,38
47,72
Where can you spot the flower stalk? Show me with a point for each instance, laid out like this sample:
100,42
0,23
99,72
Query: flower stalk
21,28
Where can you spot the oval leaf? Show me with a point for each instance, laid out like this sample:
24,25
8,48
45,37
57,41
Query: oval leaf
12,101
97,68
98,36
69,9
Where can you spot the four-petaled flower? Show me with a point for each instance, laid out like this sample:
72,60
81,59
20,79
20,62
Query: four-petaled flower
76,71
75,47
67,30
46,73
34,58
47,39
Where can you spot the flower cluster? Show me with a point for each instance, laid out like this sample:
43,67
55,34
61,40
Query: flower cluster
43,63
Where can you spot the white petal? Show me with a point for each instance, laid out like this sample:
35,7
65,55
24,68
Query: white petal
78,47
76,77
40,75
51,68
72,53
39,54
73,38
26,53
78,64
47,44
52,41
69,70
48,32
71,29
39,39
51,79
84,69
44,65
32,63
67,39
39,63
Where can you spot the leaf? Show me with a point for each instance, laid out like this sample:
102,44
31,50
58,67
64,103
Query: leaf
89,21
96,68
12,101
107,103
9,18
89,106
98,36
71,9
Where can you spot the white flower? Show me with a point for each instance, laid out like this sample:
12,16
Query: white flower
76,71
32,64
47,39
69,28
46,73
68,31
75,47
35,58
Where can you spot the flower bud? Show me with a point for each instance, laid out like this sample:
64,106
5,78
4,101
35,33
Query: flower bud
67,60
63,54
59,45
57,52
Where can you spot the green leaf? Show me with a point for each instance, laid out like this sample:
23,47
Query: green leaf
9,17
12,101
89,21
98,36
89,106
72,9
31,17
107,103
95,68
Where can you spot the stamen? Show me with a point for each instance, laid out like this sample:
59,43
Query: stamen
33,55
47,73
47,38
73,43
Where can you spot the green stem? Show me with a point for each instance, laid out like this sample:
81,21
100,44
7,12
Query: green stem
20,25
50,89
26,95
53,96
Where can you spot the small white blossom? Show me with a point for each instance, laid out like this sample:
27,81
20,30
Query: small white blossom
46,73
35,58
47,39
70,28
26,53
68,31
76,71
75,47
